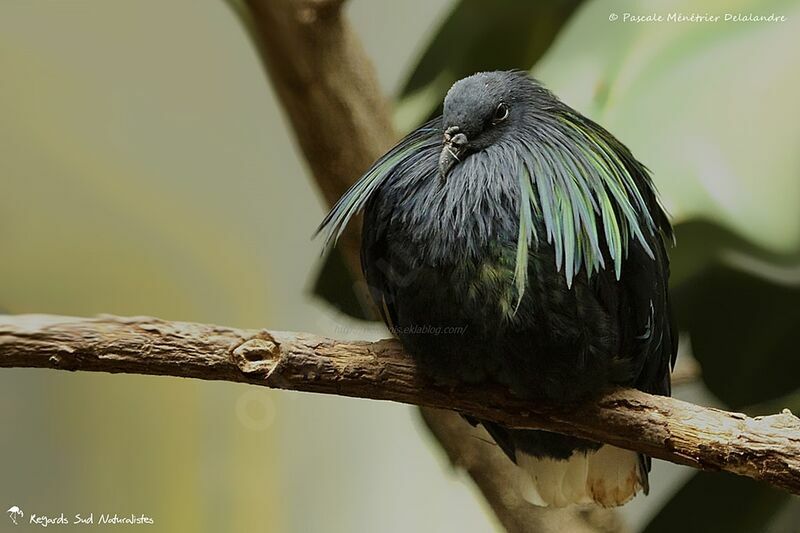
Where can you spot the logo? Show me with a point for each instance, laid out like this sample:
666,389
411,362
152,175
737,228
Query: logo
14,513
61,519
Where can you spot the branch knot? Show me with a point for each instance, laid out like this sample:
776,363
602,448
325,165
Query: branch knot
257,355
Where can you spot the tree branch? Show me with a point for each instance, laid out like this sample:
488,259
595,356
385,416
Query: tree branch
764,448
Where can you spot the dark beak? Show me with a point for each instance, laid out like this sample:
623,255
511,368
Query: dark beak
453,151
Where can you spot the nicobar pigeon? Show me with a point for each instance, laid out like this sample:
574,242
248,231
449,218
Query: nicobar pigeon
512,240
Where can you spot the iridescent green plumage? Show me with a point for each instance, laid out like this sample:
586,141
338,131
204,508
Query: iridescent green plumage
579,183
354,200
572,178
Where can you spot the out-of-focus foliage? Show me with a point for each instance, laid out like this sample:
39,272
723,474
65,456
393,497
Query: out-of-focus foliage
476,36
711,108
742,314
722,502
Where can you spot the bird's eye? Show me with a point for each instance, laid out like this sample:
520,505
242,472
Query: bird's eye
501,113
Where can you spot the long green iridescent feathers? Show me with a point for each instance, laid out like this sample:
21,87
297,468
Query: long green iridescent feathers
354,200
527,231
575,178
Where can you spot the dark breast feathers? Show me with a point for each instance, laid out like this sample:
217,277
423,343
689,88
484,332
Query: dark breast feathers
445,281
440,261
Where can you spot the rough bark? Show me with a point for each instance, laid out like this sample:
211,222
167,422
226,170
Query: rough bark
764,448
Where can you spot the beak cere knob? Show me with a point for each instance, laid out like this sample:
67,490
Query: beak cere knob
459,140
455,144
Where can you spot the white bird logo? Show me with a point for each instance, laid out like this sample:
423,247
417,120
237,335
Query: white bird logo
14,513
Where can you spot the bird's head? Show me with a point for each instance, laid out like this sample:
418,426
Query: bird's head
481,110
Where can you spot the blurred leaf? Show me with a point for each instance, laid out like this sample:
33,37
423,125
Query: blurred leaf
701,244
743,331
740,305
477,36
786,519
791,402
721,141
717,501
335,285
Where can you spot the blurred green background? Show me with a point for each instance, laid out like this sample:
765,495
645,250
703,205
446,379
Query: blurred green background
146,168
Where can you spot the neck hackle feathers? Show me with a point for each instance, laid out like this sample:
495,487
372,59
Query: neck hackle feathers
571,180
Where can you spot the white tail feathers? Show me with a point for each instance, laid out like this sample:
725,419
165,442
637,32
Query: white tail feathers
608,477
